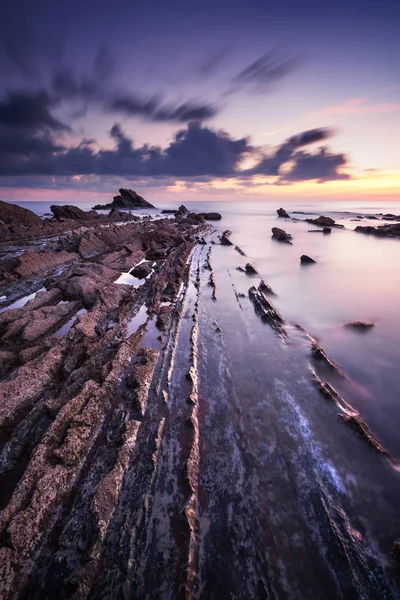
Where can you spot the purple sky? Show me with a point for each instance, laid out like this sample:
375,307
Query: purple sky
224,99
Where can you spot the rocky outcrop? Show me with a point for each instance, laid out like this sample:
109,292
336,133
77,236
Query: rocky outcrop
127,200
72,212
307,260
211,216
266,310
391,231
282,213
281,236
324,222
265,288
225,241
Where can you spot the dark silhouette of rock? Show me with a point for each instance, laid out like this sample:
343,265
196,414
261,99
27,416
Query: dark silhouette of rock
282,213
182,210
322,221
360,325
281,235
127,200
225,241
249,268
306,260
392,231
212,216
326,230
264,287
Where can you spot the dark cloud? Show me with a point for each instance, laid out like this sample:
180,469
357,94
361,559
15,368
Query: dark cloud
29,111
151,109
322,166
270,164
196,153
266,70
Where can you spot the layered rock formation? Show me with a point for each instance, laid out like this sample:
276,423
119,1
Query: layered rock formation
127,200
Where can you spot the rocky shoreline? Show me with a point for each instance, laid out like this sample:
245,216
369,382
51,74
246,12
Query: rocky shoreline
88,306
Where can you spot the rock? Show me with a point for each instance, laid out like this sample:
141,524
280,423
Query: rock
71,212
249,268
266,310
282,213
239,250
306,260
143,270
264,287
225,241
392,231
326,230
211,216
322,221
360,325
182,210
281,235
127,200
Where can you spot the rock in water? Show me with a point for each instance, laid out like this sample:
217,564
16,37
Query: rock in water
127,200
306,260
282,213
250,269
326,230
264,287
225,241
322,221
141,271
281,235
212,216
361,325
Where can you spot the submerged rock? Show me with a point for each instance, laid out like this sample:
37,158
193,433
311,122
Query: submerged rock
307,260
281,235
282,213
362,325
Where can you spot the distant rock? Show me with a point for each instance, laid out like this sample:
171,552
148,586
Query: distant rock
326,230
182,210
281,235
381,231
127,200
212,216
306,260
282,213
322,221
250,269
361,325
325,222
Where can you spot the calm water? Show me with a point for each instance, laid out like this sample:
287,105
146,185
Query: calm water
288,486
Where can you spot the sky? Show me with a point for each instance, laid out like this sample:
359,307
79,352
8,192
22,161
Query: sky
219,100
